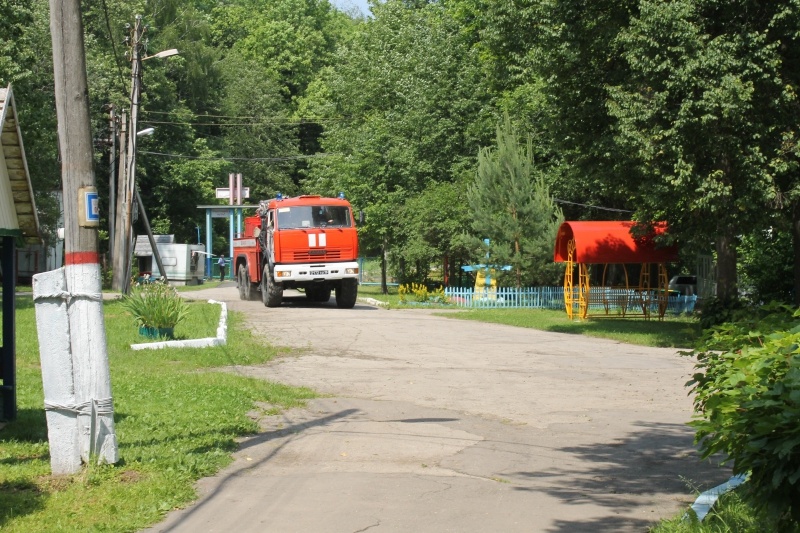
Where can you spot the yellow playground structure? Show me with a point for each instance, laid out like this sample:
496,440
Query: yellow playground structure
581,244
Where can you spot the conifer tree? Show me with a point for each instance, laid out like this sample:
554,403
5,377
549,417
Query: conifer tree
512,207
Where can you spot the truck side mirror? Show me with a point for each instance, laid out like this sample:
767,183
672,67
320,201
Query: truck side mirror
361,216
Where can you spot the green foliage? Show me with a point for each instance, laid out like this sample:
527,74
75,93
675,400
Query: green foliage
155,305
765,271
703,112
716,311
747,403
174,424
430,228
511,205
291,39
419,293
731,513
253,92
15,16
402,111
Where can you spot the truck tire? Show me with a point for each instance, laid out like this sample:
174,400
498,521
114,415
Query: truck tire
318,294
347,293
252,294
246,288
271,292
240,280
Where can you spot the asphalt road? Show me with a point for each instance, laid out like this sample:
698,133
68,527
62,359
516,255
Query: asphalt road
431,424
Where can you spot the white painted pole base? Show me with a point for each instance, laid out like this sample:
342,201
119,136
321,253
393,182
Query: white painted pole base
75,373
52,326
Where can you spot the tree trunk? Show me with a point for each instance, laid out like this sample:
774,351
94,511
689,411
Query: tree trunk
384,287
796,250
727,288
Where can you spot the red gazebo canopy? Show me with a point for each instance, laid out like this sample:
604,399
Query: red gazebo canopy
598,242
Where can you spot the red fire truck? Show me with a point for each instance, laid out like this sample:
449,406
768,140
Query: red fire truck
307,242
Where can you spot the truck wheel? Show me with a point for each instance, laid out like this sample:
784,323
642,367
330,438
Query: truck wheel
254,287
271,292
347,293
244,283
240,281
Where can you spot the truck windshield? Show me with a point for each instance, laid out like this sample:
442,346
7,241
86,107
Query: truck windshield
317,216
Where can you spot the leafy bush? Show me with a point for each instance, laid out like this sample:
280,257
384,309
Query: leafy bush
155,305
420,293
716,311
747,406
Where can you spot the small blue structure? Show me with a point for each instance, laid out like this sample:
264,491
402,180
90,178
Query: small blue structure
485,281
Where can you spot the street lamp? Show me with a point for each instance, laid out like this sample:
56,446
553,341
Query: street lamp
166,53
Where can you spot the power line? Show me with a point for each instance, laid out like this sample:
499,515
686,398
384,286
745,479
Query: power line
264,159
114,47
593,206
257,123
221,123
297,120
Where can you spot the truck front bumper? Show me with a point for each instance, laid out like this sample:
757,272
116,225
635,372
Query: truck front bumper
316,271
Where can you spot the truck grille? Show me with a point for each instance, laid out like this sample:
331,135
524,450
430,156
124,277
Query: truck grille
317,256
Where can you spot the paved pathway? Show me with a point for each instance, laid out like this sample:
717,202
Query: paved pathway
434,424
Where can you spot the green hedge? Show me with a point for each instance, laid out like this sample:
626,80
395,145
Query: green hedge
747,406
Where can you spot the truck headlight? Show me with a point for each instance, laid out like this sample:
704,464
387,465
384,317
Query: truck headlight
351,270
282,273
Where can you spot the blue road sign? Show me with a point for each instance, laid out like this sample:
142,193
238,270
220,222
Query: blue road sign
92,206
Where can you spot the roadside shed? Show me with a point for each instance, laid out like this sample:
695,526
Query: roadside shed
19,223
581,244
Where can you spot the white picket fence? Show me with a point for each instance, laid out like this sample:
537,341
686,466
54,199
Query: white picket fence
553,298
532,297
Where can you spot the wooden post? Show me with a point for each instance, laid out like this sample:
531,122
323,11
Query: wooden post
122,261
121,238
112,197
91,376
8,391
146,221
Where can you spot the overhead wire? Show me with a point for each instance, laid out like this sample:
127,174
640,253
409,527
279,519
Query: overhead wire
114,48
593,206
262,159
269,122
242,117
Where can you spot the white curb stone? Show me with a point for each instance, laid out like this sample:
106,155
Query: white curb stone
220,340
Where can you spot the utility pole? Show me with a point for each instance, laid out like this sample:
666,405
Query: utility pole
92,405
121,246
127,191
112,199
122,251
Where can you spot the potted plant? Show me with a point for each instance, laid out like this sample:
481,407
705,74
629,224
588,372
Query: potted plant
156,307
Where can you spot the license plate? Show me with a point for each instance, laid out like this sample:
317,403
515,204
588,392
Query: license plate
319,272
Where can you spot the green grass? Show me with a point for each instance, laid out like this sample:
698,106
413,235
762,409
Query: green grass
374,291
672,332
730,514
207,284
177,420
